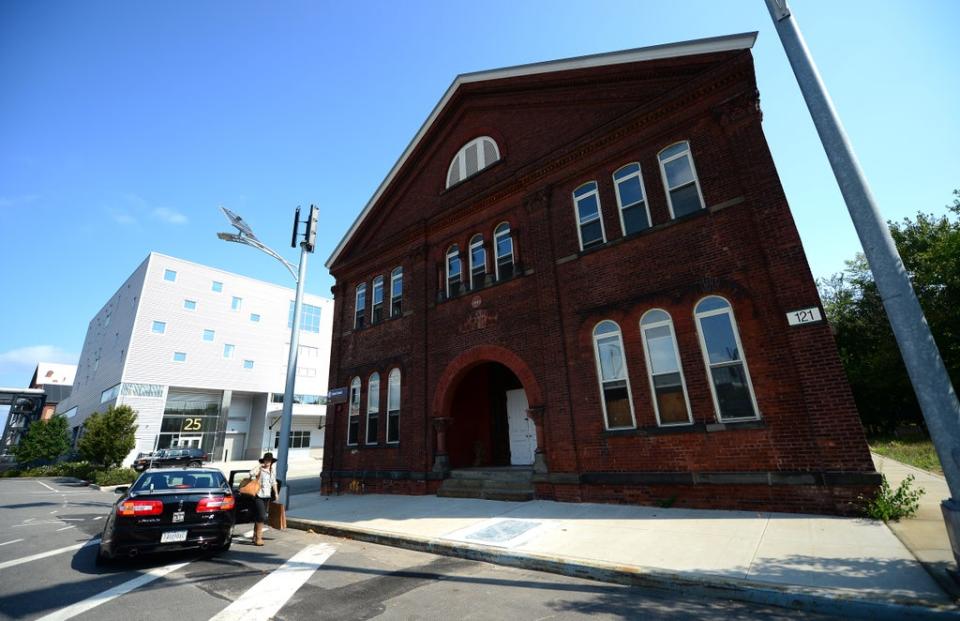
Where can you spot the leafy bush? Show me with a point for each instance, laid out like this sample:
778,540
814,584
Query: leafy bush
115,476
108,436
9,473
51,470
44,441
78,469
888,504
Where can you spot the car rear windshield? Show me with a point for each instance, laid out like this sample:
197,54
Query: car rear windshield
160,481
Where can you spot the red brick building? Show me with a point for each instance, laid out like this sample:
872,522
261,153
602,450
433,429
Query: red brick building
581,281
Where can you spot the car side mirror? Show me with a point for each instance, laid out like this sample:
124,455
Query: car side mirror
123,489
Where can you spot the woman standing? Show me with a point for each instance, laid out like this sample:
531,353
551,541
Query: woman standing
268,488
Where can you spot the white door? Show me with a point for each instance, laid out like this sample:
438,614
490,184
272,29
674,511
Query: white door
233,446
523,436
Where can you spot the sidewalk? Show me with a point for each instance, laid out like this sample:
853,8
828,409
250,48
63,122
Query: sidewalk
924,535
827,564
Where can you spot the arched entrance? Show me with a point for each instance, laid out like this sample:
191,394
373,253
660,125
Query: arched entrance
484,411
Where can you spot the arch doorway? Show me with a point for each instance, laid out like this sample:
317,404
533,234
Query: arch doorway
490,427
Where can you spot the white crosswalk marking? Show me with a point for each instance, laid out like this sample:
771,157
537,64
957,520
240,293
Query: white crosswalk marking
35,557
265,598
101,598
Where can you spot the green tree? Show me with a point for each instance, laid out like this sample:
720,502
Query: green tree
109,436
44,440
930,249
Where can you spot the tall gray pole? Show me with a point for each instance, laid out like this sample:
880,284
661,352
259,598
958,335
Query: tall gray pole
938,401
286,419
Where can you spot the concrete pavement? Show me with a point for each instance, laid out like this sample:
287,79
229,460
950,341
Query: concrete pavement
825,564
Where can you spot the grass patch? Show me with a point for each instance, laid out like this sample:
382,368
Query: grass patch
917,452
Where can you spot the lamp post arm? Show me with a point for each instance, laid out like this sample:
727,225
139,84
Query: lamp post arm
259,246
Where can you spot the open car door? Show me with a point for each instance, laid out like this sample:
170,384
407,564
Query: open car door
245,510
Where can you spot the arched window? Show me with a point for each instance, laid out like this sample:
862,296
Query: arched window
612,373
453,271
680,180
472,158
376,308
667,385
373,407
360,307
503,249
393,407
478,262
353,417
727,371
396,292
586,202
631,199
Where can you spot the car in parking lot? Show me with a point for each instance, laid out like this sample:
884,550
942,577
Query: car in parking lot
187,456
169,509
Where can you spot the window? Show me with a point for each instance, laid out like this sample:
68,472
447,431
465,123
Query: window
360,306
236,303
373,407
586,200
478,262
298,439
110,393
300,399
453,271
159,327
309,317
612,372
216,286
142,390
503,249
228,350
631,199
727,371
179,356
667,386
680,180
254,317
190,304
393,407
396,292
208,335
353,420
376,314
472,158
170,275
248,364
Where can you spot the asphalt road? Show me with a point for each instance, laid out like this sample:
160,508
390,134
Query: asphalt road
48,531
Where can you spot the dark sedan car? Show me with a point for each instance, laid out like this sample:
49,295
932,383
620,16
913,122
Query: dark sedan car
163,458
170,509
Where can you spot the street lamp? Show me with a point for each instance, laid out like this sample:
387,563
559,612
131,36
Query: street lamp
245,236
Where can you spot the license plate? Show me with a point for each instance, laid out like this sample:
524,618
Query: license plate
173,536
177,516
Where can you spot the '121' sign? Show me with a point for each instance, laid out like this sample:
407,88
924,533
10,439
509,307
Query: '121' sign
804,315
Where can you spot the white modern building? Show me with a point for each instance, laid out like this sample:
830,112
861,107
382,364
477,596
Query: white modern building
201,355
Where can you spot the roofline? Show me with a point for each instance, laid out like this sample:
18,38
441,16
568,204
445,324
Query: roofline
709,45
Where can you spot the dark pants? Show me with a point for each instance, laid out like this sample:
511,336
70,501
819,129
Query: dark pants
260,508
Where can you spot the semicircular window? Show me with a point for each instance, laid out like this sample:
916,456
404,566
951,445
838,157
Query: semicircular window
472,158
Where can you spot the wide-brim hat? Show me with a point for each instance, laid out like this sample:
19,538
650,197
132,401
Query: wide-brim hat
267,457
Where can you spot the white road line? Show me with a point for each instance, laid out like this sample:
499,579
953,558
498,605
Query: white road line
265,598
102,598
6,543
66,527
45,485
72,519
99,517
36,557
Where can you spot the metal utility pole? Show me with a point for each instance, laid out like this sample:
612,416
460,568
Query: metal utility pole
246,237
929,377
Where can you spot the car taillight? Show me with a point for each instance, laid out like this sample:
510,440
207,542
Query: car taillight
140,507
215,503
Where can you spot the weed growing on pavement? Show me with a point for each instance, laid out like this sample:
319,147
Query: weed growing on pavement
889,504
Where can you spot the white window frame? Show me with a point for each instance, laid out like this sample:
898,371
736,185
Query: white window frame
186,305
155,323
373,390
476,241
728,310
377,282
499,232
643,190
167,271
180,361
452,251
460,160
203,335
668,322
688,152
213,286
599,370
395,373
576,212
353,409
396,274
359,311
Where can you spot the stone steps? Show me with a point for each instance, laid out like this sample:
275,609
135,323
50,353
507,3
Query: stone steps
489,484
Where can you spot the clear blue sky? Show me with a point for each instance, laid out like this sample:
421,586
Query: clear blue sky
123,125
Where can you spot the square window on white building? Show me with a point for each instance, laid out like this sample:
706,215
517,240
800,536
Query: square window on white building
170,275
217,286
159,327
179,356
248,364
254,317
228,350
236,303
190,304
208,335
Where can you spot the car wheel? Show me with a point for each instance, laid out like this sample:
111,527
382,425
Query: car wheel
103,559
194,464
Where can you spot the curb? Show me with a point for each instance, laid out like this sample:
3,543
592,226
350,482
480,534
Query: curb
824,601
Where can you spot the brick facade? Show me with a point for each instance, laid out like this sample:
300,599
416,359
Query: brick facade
557,130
